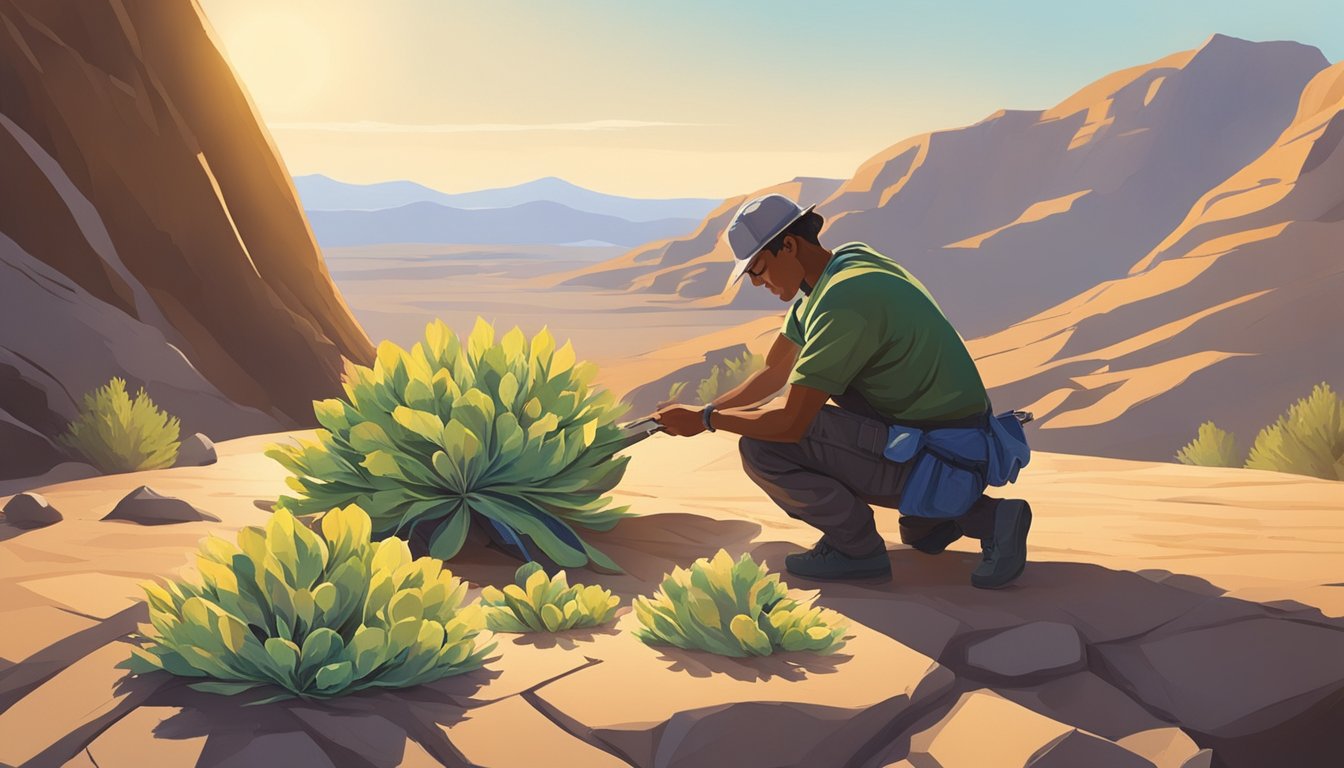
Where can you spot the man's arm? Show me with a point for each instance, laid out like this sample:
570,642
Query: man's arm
780,425
765,382
787,424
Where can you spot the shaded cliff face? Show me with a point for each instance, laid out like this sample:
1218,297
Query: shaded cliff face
1231,318
149,230
1034,206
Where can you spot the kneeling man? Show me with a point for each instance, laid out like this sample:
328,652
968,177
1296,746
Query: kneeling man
867,335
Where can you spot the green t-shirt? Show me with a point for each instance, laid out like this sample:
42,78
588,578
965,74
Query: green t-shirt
870,325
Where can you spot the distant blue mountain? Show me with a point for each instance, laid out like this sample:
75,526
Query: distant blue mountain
322,193
541,222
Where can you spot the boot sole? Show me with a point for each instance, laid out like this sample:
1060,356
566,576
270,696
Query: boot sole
852,576
1020,534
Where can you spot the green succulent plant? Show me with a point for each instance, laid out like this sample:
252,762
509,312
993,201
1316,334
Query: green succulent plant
117,434
317,615
509,432
538,603
735,609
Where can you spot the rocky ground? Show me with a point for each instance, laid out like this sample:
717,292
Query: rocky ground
1171,616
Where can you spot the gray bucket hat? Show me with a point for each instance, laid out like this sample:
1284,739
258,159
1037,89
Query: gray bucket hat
755,224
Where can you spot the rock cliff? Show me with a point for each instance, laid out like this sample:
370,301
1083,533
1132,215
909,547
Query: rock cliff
149,230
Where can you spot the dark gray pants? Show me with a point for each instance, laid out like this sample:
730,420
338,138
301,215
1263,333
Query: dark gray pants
830,478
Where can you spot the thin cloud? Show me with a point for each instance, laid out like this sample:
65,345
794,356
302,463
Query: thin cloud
367,126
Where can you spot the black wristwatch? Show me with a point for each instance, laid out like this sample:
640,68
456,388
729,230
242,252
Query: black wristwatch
704,416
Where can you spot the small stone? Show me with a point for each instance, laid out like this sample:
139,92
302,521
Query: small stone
1038,648
196,451
146,507
30,510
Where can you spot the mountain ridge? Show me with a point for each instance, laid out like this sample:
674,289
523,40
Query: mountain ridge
534,222
1131,141
324,193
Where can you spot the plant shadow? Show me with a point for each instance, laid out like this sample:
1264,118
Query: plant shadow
566,640
793,666
367,727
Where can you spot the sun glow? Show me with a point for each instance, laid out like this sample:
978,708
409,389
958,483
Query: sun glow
282,60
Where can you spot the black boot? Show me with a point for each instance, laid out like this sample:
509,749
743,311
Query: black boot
1005,552
826,563
929,535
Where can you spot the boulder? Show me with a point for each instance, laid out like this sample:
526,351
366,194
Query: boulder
985,729
1167,747
1241,680
670,707
196,451
1080,748
30,510
1036,650
146,507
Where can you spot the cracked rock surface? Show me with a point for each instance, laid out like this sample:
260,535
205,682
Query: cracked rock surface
1229,655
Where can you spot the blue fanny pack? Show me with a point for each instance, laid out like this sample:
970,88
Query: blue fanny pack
952,466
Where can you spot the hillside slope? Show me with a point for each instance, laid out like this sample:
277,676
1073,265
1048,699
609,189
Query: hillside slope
1232,317
1033,206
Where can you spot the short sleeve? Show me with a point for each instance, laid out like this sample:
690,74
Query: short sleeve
839,343
793,329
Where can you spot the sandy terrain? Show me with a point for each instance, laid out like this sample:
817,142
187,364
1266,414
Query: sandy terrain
1166,611
395,289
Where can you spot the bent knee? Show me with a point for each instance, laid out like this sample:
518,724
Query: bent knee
749,447
757,453
766,456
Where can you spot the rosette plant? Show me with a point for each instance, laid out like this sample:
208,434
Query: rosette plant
509,432
536,602
316,615
735,608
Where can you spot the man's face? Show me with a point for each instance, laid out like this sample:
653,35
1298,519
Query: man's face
781,272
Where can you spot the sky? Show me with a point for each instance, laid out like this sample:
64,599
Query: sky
687,99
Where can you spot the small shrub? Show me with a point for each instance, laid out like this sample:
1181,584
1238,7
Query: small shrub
117,434
1308,440
734,609
739,368
505,431
722,378
318,616
538,603
709,387
1213,447
675,391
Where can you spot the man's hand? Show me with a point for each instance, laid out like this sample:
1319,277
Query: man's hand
680,421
